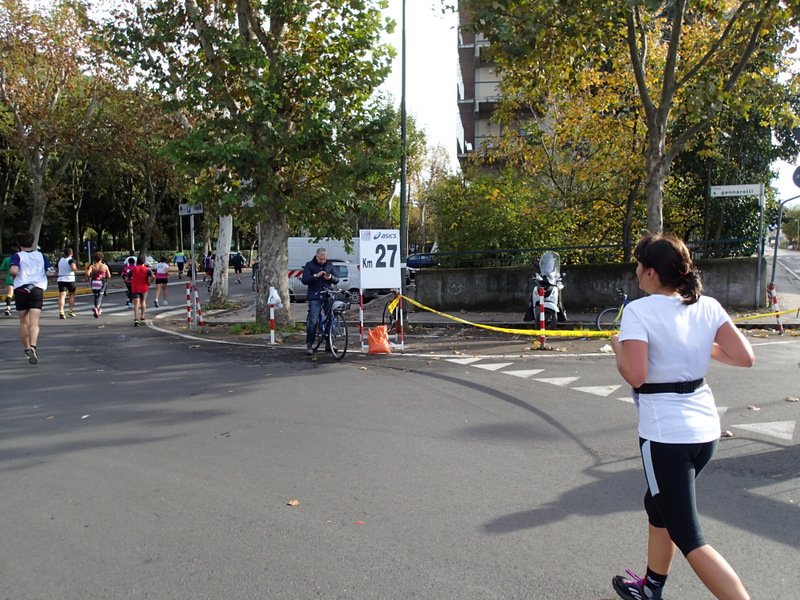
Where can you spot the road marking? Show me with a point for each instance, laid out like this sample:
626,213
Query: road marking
524,373
599,390
779,429
561,381
463,361
493,366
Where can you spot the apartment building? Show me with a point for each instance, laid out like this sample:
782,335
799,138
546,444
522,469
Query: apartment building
478,90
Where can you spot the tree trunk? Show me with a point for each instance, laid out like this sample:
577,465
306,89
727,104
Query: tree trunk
219,286
657,171
274,266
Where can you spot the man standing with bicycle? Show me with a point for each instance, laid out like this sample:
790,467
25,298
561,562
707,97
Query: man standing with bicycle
318,276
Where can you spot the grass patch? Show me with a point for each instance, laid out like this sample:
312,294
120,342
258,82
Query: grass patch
223,306
251,328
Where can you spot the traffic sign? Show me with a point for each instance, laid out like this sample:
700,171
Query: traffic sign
379,258
188,209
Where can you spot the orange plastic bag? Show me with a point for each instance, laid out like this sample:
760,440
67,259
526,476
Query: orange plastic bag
379,340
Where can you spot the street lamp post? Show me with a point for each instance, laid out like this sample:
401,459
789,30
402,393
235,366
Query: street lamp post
403,159
777,239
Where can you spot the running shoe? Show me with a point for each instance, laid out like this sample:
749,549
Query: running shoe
61,315
72,313
634,588
99,310
8,312
166,303
94,312
136,323
32,358
155,302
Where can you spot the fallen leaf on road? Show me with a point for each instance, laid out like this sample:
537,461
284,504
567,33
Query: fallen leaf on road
48,418
792,399
753,408
362,368
293,502
195,346
727,434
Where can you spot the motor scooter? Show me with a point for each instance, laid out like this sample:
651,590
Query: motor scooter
549,280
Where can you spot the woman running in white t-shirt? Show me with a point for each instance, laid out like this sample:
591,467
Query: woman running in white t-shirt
663,350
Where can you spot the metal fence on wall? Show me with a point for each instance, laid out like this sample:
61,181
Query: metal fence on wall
576,255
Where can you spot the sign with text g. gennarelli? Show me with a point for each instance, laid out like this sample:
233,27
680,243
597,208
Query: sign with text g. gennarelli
743,189
379,258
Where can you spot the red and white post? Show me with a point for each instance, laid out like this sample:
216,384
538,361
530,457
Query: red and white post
773,295
541,315
199,310
189,305
271,323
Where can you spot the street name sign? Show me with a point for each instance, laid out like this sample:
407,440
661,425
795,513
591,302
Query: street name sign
745,189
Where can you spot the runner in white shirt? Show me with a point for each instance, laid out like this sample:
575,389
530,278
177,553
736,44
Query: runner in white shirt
162,278
65,268
30,269
665,344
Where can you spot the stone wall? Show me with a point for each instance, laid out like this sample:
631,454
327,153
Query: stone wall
732,281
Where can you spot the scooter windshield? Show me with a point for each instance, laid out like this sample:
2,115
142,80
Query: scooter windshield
550,263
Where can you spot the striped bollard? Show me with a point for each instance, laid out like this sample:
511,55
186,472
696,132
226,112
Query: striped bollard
271,323
541,316
199,310
774,297
189,305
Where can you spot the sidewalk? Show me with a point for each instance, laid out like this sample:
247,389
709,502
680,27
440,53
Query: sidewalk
787,285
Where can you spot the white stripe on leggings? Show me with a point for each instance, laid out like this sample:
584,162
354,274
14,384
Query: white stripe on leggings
649,471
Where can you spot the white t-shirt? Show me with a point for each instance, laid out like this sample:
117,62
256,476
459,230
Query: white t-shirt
162,270
65,272
33,267
679,339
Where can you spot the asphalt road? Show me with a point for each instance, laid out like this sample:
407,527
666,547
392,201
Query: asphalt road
137,464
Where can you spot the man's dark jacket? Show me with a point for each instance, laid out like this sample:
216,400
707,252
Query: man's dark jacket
317,284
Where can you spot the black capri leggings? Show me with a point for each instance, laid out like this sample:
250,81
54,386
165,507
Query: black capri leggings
671,470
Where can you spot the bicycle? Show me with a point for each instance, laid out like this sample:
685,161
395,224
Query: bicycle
391,315
332,325
609,318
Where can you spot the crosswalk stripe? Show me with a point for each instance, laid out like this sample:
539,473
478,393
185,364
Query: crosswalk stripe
599,390
562,381
463,361
524,374
493,366
780,429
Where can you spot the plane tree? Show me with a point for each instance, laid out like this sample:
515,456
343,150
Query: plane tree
689,61
274,94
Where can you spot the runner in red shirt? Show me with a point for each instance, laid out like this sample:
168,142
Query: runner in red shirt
141,278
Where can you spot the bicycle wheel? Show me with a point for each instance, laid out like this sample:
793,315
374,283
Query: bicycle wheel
319,336
389,318
608,319
337,336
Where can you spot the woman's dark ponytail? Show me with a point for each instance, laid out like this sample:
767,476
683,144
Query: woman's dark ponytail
670,258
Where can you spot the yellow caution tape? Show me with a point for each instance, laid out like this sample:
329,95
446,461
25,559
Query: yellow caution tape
532,332
393,304
775,314
552,333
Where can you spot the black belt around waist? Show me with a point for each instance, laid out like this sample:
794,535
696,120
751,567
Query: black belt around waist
676,387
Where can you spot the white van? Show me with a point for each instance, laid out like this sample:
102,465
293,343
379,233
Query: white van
347,272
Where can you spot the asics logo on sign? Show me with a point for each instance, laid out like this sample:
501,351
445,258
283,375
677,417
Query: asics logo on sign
385,235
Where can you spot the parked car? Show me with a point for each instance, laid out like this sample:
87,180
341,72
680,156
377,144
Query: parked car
116,266
421,260
349,281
